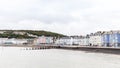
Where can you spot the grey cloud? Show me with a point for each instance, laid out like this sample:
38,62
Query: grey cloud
46,11
81,16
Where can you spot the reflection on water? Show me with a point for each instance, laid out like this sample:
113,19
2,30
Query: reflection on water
16,57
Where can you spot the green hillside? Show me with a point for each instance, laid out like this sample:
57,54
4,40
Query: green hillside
27,34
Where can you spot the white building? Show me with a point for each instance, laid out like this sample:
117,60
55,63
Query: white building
32,35
76,40
2,40
73,40
1,32
64,41
14,41
18,32
95,39
10,42
83,40
21,41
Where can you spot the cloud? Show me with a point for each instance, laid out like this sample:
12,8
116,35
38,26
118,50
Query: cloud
70,17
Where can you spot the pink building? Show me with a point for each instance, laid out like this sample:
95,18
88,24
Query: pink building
43,40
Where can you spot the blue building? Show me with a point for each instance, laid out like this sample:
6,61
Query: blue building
111,39
115,39
106,39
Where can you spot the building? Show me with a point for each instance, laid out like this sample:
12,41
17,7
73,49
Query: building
81,40
21,41
31,35
10,42
106,39
95,39
18,32
2,40
43,40
85,41
64,41
2,32
76,40
14,41
114,38
73,40
111,39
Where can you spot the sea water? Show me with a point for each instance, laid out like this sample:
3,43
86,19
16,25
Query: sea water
18,57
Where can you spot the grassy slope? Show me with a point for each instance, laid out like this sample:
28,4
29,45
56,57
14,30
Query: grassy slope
9,33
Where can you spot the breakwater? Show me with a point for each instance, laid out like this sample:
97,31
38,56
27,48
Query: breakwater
41,47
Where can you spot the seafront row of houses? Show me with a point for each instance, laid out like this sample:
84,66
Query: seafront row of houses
100,39
35,41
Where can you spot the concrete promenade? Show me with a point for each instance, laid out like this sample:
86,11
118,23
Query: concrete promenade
108,50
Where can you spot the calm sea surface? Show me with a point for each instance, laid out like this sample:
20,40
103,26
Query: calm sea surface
16,57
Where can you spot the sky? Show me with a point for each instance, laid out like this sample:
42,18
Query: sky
69,17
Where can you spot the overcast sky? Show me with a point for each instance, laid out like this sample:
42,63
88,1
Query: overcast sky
69,17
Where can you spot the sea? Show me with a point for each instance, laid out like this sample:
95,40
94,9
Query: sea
19,57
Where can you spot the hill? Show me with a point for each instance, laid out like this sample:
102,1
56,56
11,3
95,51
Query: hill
27,34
